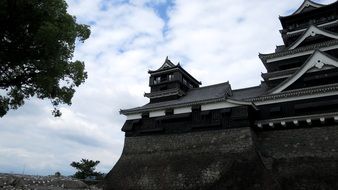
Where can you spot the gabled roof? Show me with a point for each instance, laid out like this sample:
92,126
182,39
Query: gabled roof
212,93
316,61
169,66
166,65
312,31
306,5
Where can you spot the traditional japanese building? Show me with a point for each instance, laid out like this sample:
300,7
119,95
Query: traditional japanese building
282,134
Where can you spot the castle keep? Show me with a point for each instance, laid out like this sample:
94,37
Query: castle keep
281,134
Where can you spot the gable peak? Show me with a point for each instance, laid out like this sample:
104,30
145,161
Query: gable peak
310,32
167,64
317,61
306,4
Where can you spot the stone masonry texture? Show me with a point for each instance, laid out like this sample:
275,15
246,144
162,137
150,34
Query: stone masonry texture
301,158
231,159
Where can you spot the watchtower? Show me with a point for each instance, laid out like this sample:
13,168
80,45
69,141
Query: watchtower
170,82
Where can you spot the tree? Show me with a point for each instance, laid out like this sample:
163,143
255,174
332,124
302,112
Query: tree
86,168
37,41
57,174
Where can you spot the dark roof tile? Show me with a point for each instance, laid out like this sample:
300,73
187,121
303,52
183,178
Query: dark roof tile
205,94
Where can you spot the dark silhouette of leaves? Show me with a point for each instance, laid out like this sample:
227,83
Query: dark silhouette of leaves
85,168
37,41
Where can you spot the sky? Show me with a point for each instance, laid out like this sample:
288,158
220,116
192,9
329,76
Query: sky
215,41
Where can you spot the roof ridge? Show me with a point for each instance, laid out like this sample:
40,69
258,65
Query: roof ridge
239,89
218,84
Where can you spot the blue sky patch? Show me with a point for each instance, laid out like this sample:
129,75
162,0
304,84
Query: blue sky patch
162,9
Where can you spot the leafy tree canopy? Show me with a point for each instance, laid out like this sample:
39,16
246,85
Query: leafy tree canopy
37,41
86,168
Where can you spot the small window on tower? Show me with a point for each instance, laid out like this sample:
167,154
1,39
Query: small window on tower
170,77
157,80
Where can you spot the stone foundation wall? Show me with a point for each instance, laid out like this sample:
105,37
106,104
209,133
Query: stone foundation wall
222,141
199,160
304,142
304,158
229,159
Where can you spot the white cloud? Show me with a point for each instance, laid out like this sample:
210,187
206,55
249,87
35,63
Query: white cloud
216,41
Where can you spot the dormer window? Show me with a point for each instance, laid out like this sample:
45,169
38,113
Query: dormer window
170,77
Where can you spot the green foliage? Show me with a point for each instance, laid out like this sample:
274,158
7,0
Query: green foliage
57,174
37,41
86,168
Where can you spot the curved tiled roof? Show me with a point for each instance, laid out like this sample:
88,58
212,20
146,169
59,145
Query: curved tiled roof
312,31
207,94
264,57
305,5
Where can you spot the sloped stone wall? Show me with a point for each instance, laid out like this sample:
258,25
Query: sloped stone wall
201,160
232,159
304,158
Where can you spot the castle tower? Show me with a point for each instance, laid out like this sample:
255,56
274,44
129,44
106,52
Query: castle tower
305,67
170,82
310,48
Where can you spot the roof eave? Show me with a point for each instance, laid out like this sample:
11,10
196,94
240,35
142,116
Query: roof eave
132,111
189,75
163,70
303,6
265,57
